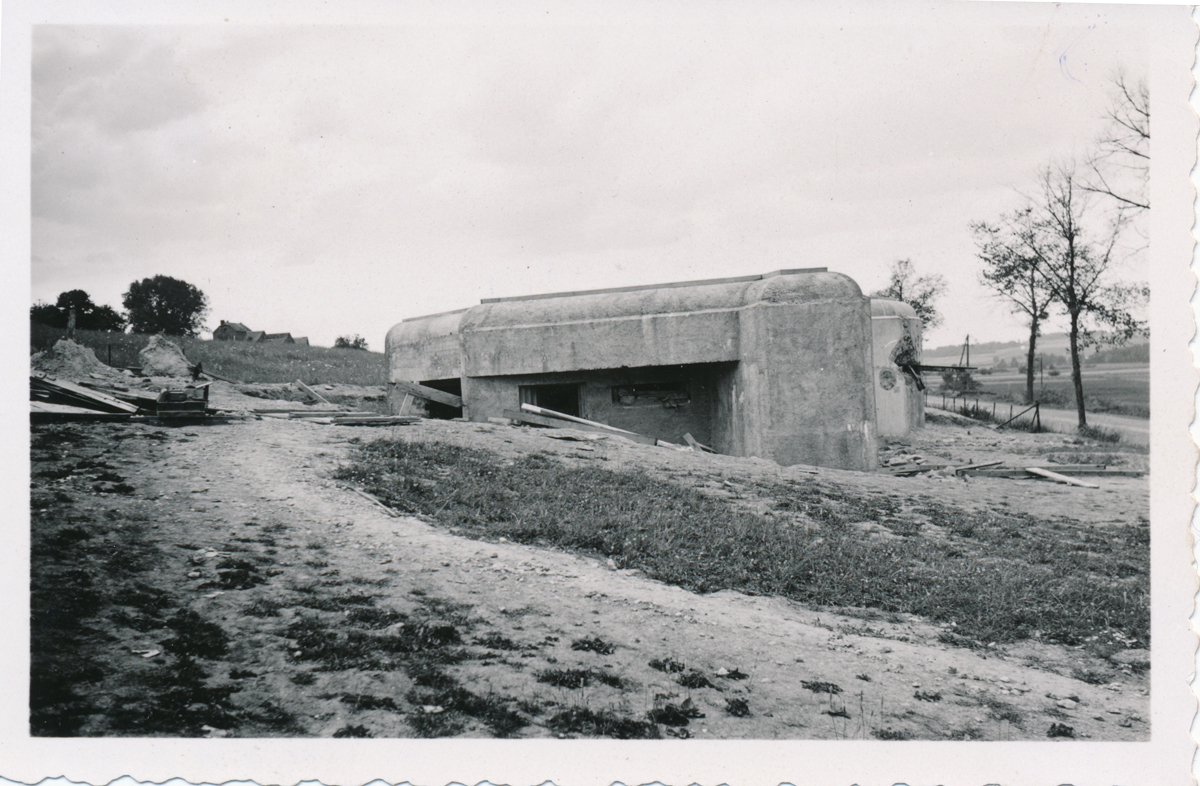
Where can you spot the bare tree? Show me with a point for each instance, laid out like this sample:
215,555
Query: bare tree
1120,166
1075,268
1012,271
917,291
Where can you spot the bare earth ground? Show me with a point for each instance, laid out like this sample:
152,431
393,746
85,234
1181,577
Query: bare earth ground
210,566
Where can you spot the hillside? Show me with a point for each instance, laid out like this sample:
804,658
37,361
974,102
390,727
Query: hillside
1056,345
235,360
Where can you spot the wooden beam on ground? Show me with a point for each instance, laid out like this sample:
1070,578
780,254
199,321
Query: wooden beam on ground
688,438
984,465
1045,473
549,413
309,391
429,394
541,420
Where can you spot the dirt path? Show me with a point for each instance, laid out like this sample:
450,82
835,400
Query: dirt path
239,590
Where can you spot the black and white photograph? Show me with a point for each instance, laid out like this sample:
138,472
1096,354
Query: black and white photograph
703,388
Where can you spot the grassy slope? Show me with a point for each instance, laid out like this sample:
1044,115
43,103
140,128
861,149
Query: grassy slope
235,360
996,578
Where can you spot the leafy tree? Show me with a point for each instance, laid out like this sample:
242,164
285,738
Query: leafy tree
1058,238
88,316
917,291
350,342
165,305
1012,271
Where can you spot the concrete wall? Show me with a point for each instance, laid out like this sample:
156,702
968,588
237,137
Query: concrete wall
425,348
778,366
803,385
899,404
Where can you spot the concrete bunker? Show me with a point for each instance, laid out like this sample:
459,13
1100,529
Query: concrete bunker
779,365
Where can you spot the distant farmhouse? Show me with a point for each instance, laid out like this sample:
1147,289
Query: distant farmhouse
236,331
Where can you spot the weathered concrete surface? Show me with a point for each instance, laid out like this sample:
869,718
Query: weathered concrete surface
425,348
896,335
787,357
804,382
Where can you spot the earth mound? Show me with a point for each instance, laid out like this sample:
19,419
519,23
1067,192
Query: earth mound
163,358
70,360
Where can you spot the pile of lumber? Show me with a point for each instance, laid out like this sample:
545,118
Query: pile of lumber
53,400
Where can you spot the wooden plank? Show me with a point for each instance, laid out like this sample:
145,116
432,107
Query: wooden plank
92,398
1115,473
1045,473
539,420
688,438
984,465
429,394
549,413
312,392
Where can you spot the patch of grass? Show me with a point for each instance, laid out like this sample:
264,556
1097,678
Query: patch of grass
495,641
695,680
594,644
493,711
667,665
1000,579
348,732
821,687
604,723
738,708
1100,434
578,678
373,618
196,637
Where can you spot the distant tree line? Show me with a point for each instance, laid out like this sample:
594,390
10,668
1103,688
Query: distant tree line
160,304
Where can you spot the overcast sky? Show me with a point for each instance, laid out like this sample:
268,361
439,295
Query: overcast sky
329,180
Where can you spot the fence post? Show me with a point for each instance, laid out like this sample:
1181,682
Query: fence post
1037,416
110,354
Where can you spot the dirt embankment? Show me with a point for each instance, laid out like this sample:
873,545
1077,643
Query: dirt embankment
217,581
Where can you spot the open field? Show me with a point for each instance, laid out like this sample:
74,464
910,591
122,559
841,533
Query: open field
236,360
221,580
1118,388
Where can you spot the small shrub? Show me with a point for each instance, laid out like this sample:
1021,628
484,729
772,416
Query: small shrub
738,708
